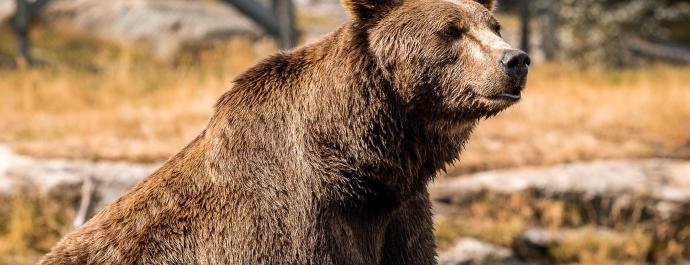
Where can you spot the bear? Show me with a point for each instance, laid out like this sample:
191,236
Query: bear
321,154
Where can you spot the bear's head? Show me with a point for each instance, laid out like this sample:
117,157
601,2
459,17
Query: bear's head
445,57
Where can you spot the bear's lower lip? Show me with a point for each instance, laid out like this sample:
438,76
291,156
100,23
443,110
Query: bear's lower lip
507,96
513,93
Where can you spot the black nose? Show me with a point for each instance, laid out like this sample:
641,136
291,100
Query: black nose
516,63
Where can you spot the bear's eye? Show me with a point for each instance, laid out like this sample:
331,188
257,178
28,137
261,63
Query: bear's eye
452,32
496,27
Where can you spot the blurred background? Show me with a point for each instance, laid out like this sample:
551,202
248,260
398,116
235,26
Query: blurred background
592,167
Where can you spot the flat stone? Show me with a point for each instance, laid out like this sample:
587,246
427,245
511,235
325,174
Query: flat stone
472,251
658,178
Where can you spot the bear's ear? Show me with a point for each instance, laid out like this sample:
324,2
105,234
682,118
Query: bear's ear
370,10
489,4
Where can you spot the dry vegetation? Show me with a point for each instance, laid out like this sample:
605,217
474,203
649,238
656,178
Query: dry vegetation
585,230
101,102
30,224
104,102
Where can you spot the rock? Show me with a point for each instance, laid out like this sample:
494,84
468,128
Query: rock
112,179
663,181
7,10
469,251
5,158
165,26
534,245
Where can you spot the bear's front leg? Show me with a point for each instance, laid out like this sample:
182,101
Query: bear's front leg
410,234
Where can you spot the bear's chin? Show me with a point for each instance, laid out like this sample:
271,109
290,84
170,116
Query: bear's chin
495,104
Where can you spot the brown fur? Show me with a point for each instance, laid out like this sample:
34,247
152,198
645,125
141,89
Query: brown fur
320,155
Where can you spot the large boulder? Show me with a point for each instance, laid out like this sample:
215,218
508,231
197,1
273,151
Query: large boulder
7,10
165,26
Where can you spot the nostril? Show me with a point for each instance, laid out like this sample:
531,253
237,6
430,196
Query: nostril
515,63
515,58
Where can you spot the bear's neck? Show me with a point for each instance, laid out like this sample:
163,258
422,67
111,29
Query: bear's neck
326,111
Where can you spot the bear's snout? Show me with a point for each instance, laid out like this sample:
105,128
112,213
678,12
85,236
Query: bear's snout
516,64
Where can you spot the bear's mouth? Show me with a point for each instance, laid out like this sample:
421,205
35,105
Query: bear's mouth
512,94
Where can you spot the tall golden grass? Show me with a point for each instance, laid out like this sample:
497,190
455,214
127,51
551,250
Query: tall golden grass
107,102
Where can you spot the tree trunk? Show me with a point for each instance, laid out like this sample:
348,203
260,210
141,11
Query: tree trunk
284,13
525,25
549,41
21,27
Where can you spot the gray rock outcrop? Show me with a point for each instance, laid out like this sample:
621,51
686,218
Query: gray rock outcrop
470,251
164,25
7,10
664,181
111,179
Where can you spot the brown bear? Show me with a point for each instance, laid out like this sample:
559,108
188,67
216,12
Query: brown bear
321,155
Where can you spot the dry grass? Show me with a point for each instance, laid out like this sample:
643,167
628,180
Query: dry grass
30,223
117,104
588,246
482,219
582,229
